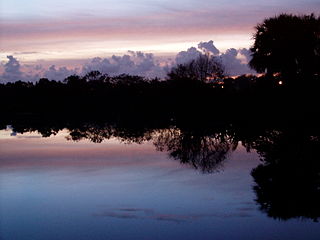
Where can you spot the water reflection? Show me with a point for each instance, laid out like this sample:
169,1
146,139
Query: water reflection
287,182
204,152
202,149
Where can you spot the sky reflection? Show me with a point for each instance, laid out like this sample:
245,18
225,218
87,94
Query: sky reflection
57,189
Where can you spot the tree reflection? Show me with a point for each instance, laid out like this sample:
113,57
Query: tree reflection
288,181
204,152
97,133
94,133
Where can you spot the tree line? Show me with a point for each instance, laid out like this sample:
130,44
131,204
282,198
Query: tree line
286,53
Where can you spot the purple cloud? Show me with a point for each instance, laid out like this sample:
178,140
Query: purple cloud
208,47
134,63
12,70
233,64
60,73
187,56
234,60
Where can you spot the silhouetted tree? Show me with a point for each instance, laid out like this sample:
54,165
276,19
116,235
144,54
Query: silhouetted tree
288,45
75,81
204,68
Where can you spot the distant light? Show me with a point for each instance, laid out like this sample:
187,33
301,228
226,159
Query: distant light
280,82
222,86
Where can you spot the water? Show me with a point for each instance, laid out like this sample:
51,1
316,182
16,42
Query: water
57,188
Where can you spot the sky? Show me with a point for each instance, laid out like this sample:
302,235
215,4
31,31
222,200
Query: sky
69,35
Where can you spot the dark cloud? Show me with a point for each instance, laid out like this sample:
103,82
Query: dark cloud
134,213
173,218
118,215
141,213
147,211
246,209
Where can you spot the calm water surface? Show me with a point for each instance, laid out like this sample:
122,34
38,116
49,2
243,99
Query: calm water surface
54,188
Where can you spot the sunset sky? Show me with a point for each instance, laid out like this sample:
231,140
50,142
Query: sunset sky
68,33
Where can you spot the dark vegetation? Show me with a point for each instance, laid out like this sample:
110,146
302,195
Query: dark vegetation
288,45
101,96
199,116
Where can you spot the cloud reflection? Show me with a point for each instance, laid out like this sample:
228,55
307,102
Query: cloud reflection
151,214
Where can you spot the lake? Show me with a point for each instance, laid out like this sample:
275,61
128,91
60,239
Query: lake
106,183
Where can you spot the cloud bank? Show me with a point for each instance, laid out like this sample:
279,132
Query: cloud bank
133,63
